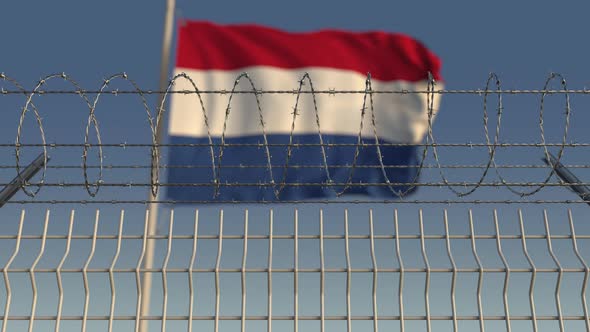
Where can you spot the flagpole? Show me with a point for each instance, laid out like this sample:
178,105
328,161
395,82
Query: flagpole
153,207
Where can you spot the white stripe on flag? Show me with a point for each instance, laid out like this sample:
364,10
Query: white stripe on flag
401,118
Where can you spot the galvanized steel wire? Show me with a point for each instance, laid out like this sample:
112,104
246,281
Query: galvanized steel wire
405,271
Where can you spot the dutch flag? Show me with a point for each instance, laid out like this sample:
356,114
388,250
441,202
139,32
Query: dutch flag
286,145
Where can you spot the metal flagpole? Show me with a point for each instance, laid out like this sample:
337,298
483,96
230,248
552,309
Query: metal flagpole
153,207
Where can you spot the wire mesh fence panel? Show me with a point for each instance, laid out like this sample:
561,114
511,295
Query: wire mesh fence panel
332,270
485,236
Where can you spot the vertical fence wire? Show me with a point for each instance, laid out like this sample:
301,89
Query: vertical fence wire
5,271
559,274
85,272
454,272
217,268
269,275
427,277
375,270
58,271
586,269
139,289
191,267
112,274
32,272
506,274
295,268
165,273
480,273
348,273
243,272
533,274
401,273
322,275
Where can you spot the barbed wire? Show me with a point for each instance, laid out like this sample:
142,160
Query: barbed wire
277,174
296,92
427,166
125,145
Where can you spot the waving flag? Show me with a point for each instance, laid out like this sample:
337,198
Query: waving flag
288,145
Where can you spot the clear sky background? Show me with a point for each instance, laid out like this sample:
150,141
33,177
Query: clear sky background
522,42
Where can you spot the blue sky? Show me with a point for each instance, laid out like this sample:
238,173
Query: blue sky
521,41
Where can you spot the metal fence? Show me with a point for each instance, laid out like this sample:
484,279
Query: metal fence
301,280
491,240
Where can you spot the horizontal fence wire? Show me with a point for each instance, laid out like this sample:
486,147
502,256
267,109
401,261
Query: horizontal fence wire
431,171
520,276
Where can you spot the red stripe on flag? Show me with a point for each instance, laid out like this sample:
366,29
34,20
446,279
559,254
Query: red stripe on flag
387,56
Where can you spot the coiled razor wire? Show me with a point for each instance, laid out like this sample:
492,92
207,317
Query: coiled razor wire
154,118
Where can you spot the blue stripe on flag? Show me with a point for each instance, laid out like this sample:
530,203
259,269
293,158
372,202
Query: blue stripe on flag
249,156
